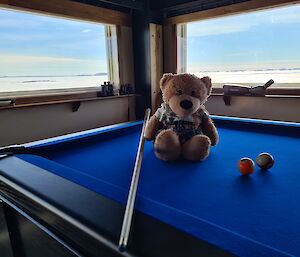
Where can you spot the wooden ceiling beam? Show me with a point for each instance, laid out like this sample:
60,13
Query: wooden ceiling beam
70,9
247,6
136,5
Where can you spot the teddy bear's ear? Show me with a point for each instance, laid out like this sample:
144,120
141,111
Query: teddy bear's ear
207,81
165,78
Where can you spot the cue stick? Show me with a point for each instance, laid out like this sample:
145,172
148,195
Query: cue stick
133,188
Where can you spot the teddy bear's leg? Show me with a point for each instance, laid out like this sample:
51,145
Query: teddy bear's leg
167,145
196,148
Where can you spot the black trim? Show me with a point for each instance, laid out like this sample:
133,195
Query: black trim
14,234
171,8
261,126
15,149
10,150
136,5
16,238
6,244
105,4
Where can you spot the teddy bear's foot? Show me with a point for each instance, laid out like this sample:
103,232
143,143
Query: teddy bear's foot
167,145
197,148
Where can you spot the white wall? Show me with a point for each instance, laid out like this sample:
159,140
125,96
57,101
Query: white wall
271,108
21,125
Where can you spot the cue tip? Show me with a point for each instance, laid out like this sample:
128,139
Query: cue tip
122,248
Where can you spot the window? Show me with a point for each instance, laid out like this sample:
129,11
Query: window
248,48
43,53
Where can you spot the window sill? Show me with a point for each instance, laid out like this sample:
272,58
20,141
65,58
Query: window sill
271,92
278,93
48,92
10,101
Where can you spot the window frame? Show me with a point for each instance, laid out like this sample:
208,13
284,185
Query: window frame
178,24
111,19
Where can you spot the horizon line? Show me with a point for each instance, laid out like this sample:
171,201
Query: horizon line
32,76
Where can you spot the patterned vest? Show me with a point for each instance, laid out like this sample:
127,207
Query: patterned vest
185,127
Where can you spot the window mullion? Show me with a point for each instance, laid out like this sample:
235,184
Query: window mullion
112,54
181,48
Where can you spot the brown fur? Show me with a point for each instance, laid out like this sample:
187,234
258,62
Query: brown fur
197,148
152,127
210,130
176,88
167,145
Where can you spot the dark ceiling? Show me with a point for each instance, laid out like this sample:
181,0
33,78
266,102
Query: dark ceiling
177,7
165,8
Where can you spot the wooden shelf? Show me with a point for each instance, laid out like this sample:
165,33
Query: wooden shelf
286,92
236,8
70,9
50,100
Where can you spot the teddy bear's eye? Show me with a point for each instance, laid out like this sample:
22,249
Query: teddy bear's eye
193,93
179,92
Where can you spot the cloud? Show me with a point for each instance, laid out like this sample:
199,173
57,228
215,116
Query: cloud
245,65
253,53
244,22
286,18
8,23
31,59
86,31
30,65
218,28
15,37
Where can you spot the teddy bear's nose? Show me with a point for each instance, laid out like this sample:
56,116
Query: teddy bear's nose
185,104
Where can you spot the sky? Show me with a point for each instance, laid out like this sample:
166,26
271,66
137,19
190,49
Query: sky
36,45
268,39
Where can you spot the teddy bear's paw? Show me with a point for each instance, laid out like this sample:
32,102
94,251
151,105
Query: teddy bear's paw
197,148
167,145
214,140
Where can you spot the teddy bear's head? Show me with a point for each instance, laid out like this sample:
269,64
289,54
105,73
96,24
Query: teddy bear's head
184,93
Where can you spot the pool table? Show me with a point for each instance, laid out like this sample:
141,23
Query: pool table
73,189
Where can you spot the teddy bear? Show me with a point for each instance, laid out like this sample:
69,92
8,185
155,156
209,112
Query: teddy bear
182,126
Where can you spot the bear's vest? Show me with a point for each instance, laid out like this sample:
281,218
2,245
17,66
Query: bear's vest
185,127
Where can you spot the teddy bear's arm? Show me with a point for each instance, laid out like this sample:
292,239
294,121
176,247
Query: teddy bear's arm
210,130
152,128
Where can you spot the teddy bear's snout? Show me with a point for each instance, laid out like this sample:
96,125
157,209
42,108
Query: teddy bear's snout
186,104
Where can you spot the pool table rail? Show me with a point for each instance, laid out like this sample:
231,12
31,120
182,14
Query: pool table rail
89,223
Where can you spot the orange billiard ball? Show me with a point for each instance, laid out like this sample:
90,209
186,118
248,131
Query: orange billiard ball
246,166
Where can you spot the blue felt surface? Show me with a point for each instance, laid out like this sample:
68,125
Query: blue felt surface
248,216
